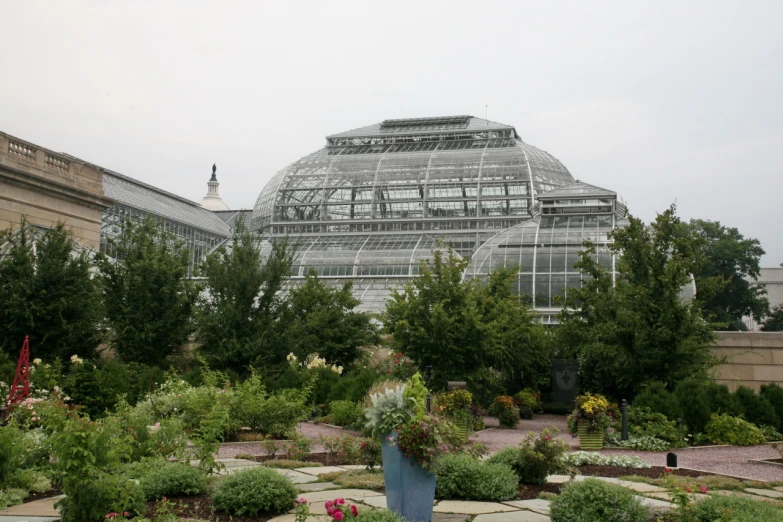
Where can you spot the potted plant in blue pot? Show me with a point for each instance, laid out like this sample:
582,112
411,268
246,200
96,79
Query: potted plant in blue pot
411,444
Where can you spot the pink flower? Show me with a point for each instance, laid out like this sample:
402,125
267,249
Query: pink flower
340,501
355,510
668,470
688,490
547,437
302,500
330,511
703,489
338,516
126,513
328,504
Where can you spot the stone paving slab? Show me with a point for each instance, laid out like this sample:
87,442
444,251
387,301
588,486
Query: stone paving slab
654,503
515,516
611,480
665,495
558,479
537,505
12,518
771,493
320,470
316,486
292,518
356,494
449,517
295,476
468,507
641,487
353,466
36,508
376,502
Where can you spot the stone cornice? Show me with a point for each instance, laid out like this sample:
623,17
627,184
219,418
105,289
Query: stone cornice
22,177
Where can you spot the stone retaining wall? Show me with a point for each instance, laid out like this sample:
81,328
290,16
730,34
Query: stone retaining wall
754,358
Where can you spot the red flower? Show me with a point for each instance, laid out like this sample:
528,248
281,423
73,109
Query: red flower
547,437
338,516
355,510
668,470
703,489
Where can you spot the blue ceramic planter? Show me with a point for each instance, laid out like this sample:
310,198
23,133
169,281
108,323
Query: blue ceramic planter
410,489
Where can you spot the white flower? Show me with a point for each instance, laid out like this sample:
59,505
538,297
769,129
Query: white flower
290,357
36,361
75,359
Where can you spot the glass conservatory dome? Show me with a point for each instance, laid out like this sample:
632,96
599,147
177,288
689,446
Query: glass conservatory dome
544,249
395,190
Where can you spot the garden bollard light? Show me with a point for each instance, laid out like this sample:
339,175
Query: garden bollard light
624,410
671,460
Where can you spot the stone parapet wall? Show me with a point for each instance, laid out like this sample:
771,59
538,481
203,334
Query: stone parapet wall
754,358
45,187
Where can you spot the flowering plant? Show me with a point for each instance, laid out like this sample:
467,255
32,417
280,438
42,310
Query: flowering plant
681,494
505,410
301,510
398,366
339,510
312,362
592,409
427,441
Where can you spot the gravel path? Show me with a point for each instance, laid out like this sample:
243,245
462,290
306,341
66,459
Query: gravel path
724,460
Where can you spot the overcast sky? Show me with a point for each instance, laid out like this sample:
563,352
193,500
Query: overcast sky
659,101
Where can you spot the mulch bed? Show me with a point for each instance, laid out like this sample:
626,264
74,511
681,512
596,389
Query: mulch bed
530,491
321,459
38,496
200,507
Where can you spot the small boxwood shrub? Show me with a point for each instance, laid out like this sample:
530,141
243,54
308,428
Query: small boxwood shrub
462,476
725,429
720,508
694,404
172,478
643,422
253,491
593,500
660,400
536,457
346,413
721,399
755,408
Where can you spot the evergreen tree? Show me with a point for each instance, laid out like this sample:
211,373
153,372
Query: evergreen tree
639,329
238,317
322,319
48,293
147,295
774,322
725,282
462,329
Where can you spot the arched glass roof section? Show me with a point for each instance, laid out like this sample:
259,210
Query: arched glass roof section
543,251
424,172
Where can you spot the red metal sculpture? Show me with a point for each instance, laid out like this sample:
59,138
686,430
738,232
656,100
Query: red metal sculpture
20,389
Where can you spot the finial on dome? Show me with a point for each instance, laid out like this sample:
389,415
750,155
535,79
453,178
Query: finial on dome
214,169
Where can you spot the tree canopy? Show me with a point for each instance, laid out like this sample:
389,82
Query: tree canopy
774,322
238,317
638,329
322,319
725,281
462,328
48,293
147,293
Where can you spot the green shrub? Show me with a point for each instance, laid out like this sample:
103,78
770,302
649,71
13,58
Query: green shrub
172,478
725,429
280,415
528,397
350,387
694,404
720,508
593,458
30,480
254,491
100,494
721,399
641,443
593,500
771,434
461,476
525,412
346,413
538,456
370,452
12,451
11,497
660,400
643,422
506,412
774,394
755,408
377,515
